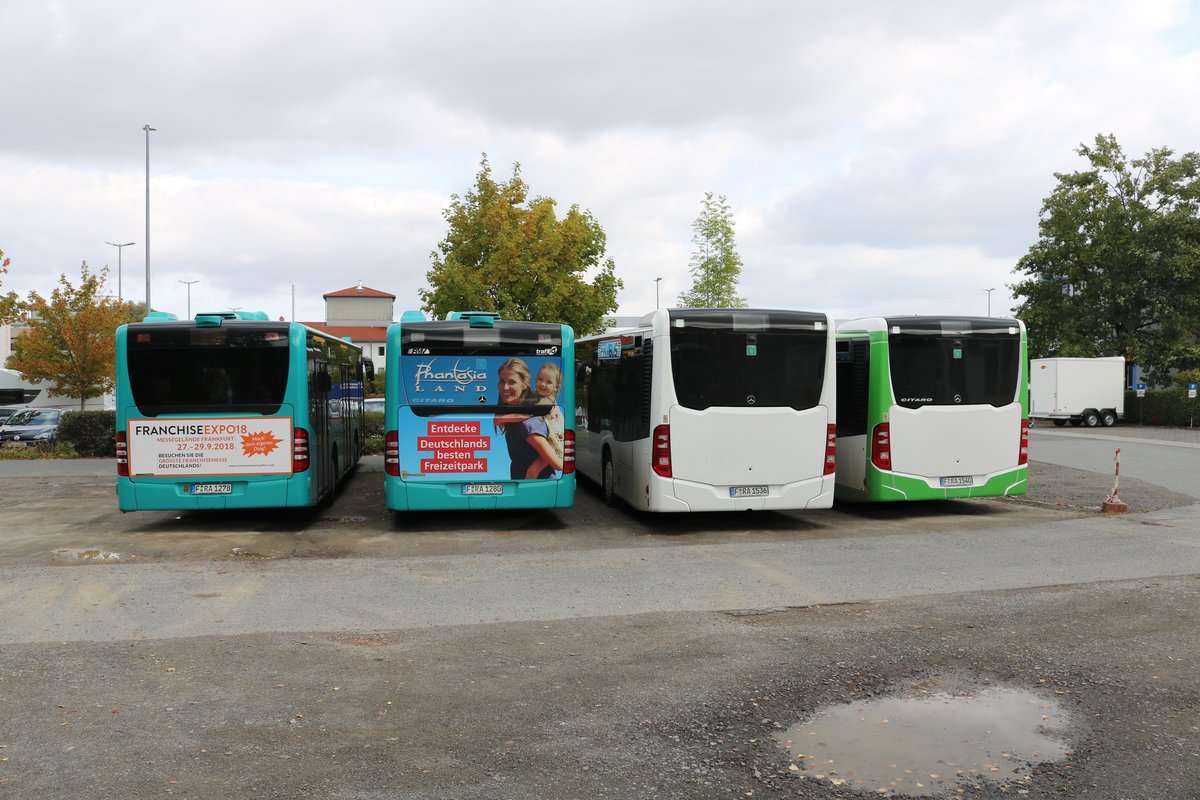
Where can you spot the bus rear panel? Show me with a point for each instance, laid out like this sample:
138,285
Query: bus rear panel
710,410
234,411
466,427
931,408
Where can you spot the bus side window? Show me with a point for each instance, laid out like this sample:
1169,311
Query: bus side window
583,377
853,372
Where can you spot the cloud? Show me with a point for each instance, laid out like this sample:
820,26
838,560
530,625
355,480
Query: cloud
875,154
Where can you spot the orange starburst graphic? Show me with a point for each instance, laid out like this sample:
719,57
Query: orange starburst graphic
259,444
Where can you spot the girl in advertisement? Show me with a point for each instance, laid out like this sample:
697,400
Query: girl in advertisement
546,384
530,451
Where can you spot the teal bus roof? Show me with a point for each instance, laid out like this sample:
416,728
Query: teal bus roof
252,315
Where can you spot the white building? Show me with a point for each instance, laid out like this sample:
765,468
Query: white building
36,393
363,315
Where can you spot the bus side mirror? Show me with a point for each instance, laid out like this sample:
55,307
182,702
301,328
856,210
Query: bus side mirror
368,368
324,383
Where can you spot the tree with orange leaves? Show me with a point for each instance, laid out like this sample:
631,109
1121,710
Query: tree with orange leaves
9,303
71,339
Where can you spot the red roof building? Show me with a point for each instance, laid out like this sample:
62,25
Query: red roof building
363,314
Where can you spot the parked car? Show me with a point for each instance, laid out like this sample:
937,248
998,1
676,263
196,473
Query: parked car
32,426
8,411
373,404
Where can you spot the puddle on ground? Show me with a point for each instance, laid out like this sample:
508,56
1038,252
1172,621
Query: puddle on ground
929,744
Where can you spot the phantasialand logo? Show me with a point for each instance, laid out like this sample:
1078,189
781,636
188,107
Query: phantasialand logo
457,378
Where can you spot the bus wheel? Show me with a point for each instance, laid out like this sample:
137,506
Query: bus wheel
609,481
1059,423
1108,417
327,499
1090,418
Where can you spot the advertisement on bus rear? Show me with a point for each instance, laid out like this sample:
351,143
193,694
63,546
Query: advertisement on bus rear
483,446
476,380
210,446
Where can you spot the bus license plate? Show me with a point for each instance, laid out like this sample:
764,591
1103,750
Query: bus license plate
482,488
212,488
748,491
958,480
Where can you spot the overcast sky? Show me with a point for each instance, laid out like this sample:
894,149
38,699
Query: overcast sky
880,157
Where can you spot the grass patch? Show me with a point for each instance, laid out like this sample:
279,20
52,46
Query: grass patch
22,452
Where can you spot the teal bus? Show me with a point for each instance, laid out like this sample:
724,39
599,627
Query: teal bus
234,410
931,408
478,413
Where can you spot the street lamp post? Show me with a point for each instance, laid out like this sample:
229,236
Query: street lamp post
119,249
147,129
189,305
989,294
657,281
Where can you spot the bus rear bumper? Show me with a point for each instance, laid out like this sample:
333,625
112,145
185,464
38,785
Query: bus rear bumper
885,486
800,495
400,495
150,495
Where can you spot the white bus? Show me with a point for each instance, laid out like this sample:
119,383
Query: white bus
710,410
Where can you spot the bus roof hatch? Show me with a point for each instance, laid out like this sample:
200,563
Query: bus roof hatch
477,319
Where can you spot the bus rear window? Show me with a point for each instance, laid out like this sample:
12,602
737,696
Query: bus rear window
944,370
450,367
188,370
742,359
454,338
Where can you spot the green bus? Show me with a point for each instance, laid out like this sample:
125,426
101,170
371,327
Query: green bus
931,408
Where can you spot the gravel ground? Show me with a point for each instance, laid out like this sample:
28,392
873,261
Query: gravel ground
654,706
683,705
1075,489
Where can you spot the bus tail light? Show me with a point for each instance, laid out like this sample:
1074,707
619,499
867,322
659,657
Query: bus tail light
660,451
1023,453
830,450
881,447
122,455
568,452
391,454
299,450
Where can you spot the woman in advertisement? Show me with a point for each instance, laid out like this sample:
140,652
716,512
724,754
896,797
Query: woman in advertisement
530,450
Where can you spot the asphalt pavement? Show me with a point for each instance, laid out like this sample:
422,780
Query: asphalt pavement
1166,457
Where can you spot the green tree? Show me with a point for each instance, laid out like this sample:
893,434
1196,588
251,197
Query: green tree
512,255
1116,267
70,341
715,265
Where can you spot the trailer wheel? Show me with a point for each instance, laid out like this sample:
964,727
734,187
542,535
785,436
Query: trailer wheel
1059,423
1091,418
1108,417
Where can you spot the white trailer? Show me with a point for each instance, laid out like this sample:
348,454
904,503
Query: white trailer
1082,391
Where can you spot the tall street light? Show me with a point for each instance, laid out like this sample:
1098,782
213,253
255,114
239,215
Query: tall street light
989,294
189,285
657,281
119,248
147,129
